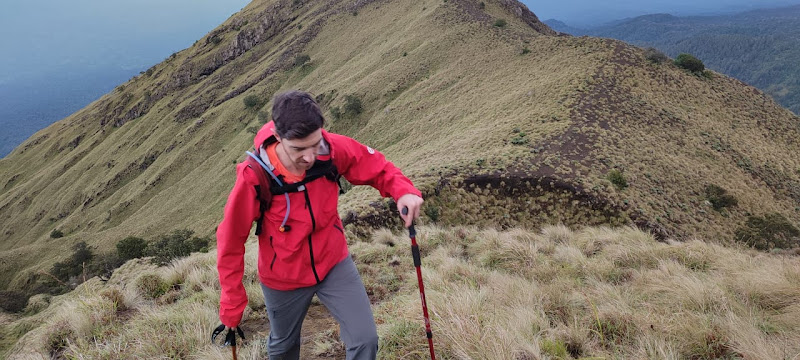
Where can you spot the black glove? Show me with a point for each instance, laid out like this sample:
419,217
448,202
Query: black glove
230,338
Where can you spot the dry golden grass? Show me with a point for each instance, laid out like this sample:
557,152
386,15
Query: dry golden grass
597,293
445,94
555,293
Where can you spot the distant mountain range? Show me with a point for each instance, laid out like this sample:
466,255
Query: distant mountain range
759,47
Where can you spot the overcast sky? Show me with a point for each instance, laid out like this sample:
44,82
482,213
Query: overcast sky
56,56
55,34
39,35
590,12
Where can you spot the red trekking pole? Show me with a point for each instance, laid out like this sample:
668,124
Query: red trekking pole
415,253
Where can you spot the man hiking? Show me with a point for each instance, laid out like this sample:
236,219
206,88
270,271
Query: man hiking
302,249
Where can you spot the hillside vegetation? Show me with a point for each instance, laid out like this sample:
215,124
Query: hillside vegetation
553,294
501,123
758,47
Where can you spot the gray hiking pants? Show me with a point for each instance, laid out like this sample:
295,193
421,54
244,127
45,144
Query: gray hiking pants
343,293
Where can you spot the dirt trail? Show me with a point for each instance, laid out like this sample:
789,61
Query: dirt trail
319,328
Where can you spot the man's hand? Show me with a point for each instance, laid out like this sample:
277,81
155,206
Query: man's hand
413,203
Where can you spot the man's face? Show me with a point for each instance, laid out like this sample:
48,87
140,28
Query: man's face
302,152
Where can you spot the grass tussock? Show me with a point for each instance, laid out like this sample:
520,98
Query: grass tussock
556,293
597,292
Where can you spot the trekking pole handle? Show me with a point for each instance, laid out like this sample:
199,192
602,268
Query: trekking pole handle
411,231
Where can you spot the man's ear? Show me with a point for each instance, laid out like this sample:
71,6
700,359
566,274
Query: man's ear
277,137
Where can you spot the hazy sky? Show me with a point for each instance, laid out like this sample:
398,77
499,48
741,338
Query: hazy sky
56,56
589,12
42,35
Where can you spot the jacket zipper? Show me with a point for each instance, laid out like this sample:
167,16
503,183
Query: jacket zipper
313,228
274,254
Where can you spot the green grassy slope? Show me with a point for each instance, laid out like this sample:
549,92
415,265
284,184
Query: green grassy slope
500,126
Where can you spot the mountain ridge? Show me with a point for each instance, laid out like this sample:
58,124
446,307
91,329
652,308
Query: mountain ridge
755,46
501,126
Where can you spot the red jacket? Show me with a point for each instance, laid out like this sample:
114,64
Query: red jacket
305,254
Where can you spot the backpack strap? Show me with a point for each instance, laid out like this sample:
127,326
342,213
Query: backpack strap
324,168
275,185
263,193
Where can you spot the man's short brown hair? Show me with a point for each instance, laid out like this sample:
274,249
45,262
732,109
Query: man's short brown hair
296,114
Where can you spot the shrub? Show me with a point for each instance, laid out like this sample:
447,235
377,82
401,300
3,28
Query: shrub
253,130
116,297
432,212
352,105
482,5
525,50
104,265
214,39
301,59
655,56
151,286
719,197
64,270
689,62
57,339
773,231
501,23
81,258
179,243
252,101
131,247
13,301
520,140
82,253
336,112
55,234
617,178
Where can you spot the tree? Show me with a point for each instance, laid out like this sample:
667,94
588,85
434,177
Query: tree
131,247
655,56
352,105
689,62
252,101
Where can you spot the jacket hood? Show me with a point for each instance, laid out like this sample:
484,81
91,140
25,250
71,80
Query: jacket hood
267,131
